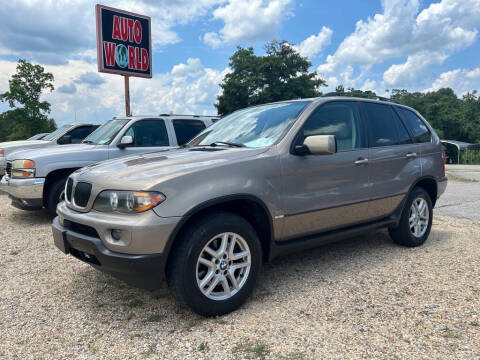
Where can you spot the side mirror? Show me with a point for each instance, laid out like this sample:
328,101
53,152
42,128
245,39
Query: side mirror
317,145
125,141
64,140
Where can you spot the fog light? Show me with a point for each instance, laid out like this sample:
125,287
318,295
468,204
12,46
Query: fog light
116,234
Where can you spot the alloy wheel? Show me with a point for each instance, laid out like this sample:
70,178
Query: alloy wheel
419,217
223,266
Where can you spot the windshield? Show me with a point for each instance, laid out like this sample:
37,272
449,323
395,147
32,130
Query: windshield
54,135
253,127
105,133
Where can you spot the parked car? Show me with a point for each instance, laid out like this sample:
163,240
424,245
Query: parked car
66,134
260,183
36,179
38,136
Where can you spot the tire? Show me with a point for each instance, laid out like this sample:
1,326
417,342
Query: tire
403,234
52,198
185,271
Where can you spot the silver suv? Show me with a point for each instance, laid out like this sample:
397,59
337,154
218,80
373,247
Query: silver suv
37,178
260,183
66,134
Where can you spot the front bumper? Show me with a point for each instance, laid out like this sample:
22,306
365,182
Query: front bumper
143,233
144,271
26,194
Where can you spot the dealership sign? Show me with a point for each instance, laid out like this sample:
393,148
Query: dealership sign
124,42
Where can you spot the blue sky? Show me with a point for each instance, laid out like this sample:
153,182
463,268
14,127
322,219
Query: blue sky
370,44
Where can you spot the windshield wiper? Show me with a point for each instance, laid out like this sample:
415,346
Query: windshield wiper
87,142
231,144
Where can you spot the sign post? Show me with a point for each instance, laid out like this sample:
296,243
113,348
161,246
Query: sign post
127,96
124,45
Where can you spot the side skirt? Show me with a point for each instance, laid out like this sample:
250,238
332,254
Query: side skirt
311,241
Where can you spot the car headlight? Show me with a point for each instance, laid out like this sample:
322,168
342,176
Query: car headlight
127,201
23,169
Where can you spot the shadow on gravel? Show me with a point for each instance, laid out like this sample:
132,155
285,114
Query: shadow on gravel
102,296
37,217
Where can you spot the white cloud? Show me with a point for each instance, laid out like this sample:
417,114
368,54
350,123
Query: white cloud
401,31
408,72
212,39
248,21
460,80
189,88
314,44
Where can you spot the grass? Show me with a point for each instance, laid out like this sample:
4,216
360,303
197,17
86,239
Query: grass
203,347
250,350
92,349
450,334
155,318
152,349
15,252
134,303
452,177
474,323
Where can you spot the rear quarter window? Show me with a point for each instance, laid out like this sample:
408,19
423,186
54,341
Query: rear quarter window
416,125
185,130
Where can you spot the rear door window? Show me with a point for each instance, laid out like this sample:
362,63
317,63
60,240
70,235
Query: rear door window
403,136
384,126
80,133
416,125
187,129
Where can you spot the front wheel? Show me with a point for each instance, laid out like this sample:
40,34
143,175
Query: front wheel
214,267
416,221
55,194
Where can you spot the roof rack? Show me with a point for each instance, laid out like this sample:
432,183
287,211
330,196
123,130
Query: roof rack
197,116
350,94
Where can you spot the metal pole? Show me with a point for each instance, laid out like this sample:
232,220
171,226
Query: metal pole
127,95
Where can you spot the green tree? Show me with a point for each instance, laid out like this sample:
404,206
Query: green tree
29,115
355,92
281,74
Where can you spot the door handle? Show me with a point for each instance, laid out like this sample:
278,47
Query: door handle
411,155
361,161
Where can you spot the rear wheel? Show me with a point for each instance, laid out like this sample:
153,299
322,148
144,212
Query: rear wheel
214,267
416,221
56,194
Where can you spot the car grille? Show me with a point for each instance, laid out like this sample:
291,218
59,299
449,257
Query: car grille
68,190
8,169
82,194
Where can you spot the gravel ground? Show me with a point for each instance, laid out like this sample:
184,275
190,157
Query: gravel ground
360,298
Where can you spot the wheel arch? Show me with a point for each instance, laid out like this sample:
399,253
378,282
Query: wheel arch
54,176
250,207
429,183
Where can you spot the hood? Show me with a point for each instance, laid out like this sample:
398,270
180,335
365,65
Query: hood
10,146
146,170
59,152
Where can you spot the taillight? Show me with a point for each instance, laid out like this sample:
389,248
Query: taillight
444,159
2,152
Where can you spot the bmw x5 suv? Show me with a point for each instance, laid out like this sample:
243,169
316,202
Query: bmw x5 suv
260,183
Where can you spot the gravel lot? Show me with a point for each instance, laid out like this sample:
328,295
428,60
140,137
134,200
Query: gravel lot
360,298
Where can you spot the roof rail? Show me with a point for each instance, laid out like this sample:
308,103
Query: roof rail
350,94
